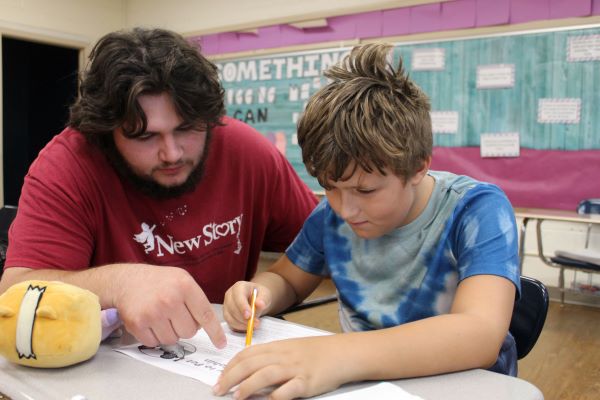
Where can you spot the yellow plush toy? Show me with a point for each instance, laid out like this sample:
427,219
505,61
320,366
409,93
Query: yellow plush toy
49,324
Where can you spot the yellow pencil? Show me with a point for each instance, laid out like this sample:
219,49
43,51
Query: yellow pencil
250,327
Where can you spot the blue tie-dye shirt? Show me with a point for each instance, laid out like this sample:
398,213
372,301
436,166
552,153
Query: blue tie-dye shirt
468,228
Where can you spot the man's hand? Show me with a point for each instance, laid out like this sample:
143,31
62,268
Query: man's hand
159,305
236,306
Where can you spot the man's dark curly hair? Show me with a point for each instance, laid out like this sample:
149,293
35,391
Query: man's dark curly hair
126,64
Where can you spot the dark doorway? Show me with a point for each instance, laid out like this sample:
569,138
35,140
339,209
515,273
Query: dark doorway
39,82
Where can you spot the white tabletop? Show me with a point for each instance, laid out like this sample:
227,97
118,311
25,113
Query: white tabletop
111,375
556,215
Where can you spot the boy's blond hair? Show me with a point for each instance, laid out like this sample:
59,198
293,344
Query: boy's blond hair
371,115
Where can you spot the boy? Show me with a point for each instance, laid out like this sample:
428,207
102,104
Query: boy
425,263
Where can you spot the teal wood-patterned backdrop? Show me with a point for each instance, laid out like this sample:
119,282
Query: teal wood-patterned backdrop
270,92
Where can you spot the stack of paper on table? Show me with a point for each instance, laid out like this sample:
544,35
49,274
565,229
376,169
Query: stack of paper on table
584,255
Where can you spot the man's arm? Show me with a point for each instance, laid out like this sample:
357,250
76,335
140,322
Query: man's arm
100,280
158,305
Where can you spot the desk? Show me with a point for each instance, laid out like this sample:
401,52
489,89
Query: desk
542,215
110,375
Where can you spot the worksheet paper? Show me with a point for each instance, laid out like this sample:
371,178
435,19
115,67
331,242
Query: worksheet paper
203,361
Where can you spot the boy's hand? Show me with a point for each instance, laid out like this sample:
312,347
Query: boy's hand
300,367
236,306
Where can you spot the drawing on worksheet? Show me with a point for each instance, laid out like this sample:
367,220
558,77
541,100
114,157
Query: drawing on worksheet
197,358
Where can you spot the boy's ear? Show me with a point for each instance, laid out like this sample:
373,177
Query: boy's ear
422,172
426,165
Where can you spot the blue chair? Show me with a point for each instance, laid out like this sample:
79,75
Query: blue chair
529,315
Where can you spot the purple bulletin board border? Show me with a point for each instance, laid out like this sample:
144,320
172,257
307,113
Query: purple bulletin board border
434,17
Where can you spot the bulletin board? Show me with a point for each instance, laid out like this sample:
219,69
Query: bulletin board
521,110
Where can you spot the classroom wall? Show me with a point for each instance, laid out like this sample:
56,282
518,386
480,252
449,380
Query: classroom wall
81,22
545,148
207,16
69,23
439,20
74,22
526,14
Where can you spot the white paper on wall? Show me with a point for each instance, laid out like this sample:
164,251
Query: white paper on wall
504,144
444,121
583,48
433,59
495,76
559,111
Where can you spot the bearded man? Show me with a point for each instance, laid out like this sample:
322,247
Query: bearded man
152,198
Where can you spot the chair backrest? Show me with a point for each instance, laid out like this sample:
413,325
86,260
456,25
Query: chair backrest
529,315
589,206
7,215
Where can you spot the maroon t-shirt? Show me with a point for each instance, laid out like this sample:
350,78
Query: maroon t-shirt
76,212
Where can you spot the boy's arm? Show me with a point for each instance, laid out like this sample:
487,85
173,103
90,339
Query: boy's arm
281,286
288,284
469,337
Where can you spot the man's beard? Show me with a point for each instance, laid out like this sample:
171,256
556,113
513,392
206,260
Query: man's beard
149,186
